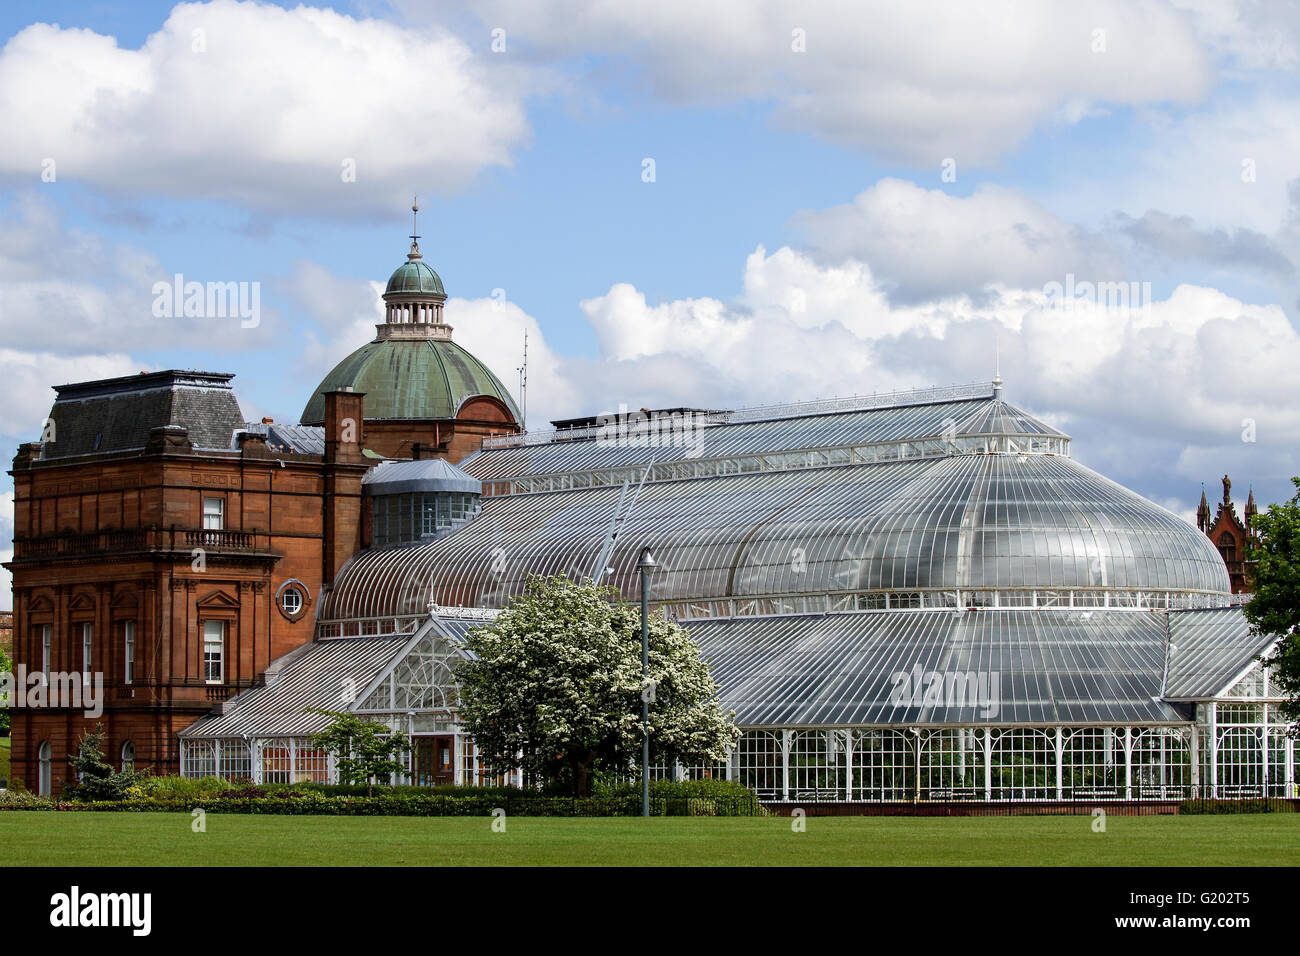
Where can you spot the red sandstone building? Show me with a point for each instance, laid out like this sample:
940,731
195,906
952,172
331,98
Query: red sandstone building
1231,534
165,543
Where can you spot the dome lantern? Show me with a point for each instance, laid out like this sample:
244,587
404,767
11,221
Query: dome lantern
414,297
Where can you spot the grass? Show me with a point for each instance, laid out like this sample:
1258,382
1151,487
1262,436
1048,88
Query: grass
150,839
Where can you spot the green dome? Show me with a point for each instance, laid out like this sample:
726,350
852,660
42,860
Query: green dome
415,276
410,378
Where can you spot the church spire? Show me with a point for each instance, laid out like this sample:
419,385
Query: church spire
1203,513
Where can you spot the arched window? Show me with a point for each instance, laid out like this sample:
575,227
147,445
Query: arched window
1228,547
128,757
45,782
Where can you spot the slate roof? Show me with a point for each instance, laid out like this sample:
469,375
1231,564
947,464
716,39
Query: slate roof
117,414
303,439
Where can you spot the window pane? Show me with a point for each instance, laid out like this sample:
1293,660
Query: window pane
213,513
128,654
214,633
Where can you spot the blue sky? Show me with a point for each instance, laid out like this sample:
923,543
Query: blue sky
799,238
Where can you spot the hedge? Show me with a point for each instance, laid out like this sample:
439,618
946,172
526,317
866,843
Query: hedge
330,800
1263,805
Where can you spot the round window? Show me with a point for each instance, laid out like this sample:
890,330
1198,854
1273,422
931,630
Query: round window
291,601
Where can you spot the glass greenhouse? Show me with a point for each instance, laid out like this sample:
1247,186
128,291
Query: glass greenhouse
919,596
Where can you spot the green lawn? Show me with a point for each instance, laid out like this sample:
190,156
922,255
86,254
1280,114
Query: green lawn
147,839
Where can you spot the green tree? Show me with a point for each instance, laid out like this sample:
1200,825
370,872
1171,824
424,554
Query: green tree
6,667
364,751
554,686
93,777
1275,607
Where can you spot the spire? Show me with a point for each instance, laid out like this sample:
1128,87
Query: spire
997,370
1203,512
415,235
1251,508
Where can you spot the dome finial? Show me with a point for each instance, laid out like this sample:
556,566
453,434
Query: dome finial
415,235
997,369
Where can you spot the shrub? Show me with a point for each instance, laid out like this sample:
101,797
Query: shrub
22,800
96,779
184,787
1208,806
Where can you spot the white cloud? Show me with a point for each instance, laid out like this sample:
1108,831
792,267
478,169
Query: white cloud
924,243
1229,165
1249,34
30,378
1154,395
66,290
344,313
265,113
917,82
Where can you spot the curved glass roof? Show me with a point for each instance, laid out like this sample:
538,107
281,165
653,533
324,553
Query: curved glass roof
1041,666
713,436
968,521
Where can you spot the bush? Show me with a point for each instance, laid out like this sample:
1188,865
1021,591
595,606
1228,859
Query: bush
695,798
22,800
1207,806
184,787
170,794
96,779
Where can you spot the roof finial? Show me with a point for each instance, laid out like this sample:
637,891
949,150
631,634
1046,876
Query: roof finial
997,369
415,235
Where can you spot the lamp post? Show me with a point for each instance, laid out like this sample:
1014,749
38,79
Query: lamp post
645,566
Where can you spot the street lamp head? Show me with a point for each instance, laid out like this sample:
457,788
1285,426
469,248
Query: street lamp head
647,562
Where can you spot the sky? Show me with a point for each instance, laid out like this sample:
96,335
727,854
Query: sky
703,204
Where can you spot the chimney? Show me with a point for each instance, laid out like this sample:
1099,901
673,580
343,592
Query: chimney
343,422
253,445
344,468
169,440
28,452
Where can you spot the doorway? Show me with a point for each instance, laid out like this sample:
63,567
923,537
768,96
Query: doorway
434,761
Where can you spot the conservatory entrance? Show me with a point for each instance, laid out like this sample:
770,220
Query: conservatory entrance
431,763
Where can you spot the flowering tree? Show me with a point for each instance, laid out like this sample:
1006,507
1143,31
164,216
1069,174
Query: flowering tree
363,751
554,686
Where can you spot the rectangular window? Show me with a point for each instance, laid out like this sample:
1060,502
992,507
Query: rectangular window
128,652
214,649
214,514
87,647
45,649
429,518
